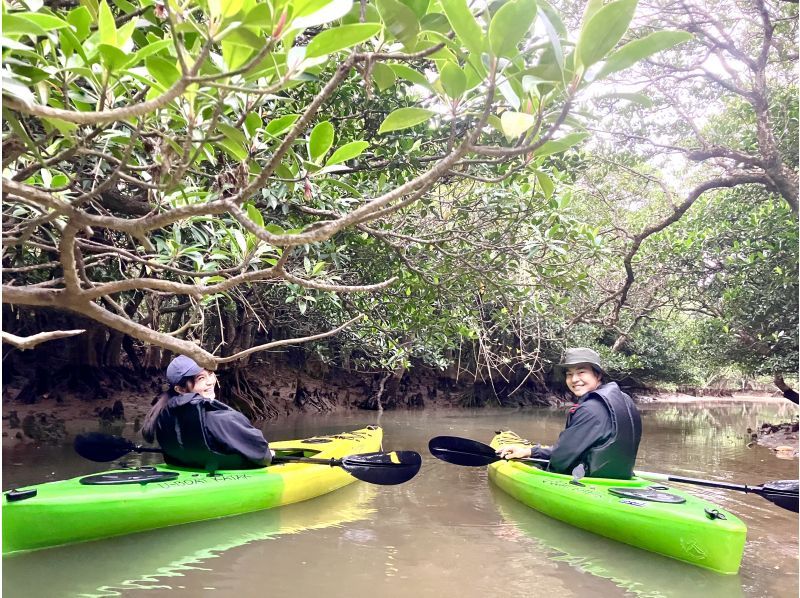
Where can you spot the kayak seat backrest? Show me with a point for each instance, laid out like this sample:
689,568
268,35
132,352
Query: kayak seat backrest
615,457
181,432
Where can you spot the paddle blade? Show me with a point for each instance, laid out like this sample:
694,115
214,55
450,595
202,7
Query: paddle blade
462,451
386,469
102,447
783,493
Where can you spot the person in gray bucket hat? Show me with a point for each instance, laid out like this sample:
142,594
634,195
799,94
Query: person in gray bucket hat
196,430
603,429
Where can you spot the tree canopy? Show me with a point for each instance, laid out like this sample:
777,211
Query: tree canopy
407,179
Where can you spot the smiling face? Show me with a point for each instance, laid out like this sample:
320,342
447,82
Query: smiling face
203,384
582,379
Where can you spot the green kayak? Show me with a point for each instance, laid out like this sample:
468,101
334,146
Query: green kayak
636,512
123,502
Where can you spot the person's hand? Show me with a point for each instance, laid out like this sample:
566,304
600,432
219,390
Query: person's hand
514,452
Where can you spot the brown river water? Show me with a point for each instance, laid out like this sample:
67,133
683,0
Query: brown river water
445,533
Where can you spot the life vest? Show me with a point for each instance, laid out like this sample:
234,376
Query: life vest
615,458
183,436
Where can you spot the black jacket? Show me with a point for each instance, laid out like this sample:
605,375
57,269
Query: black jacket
603,432
206,434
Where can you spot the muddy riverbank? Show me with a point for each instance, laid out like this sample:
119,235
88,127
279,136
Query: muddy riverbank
35,413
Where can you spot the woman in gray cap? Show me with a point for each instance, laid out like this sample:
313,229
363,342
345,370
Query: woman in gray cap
603,429
195,430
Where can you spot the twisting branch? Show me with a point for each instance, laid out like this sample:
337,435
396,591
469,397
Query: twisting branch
622,294
29,342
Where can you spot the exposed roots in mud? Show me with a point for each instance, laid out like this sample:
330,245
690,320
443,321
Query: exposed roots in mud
250,399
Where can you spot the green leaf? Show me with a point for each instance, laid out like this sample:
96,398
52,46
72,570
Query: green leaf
232,133
495,123
331,11
399,19
66,128
405,72
12,44
280,125
339,38
420,7
592,6
162,70
509,26
556,146
92,6
124,34
554,27
275,229
403,118
383,76
242,36
15,24
44,21
454,80
260,16
320,141
255,215
12,86
224,8
545,183
354,16
113,57
235,54
547,10
639,49
464,24
234,148
435,22
106,26
70,44
347,152
148,50
252,123
603,30
126,6
516,123
318,267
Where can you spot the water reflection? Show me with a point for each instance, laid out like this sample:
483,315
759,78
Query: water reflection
445,533
650,576
157,559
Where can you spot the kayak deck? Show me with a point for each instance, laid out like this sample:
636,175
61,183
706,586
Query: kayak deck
694,531
69,511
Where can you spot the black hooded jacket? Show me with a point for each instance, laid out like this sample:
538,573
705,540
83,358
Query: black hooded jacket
206,434
603,432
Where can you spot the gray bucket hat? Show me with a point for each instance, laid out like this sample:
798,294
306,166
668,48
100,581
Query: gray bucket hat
180,367
577,356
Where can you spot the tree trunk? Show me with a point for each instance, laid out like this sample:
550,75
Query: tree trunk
392,385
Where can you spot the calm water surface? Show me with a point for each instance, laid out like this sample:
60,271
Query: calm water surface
445,533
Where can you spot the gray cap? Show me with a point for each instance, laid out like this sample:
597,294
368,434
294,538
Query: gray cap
580,355
180,367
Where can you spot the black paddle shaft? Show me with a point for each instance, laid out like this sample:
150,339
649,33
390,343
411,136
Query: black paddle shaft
376,468
784,493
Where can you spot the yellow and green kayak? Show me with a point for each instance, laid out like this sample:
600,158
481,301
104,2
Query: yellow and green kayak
636,511
127,501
